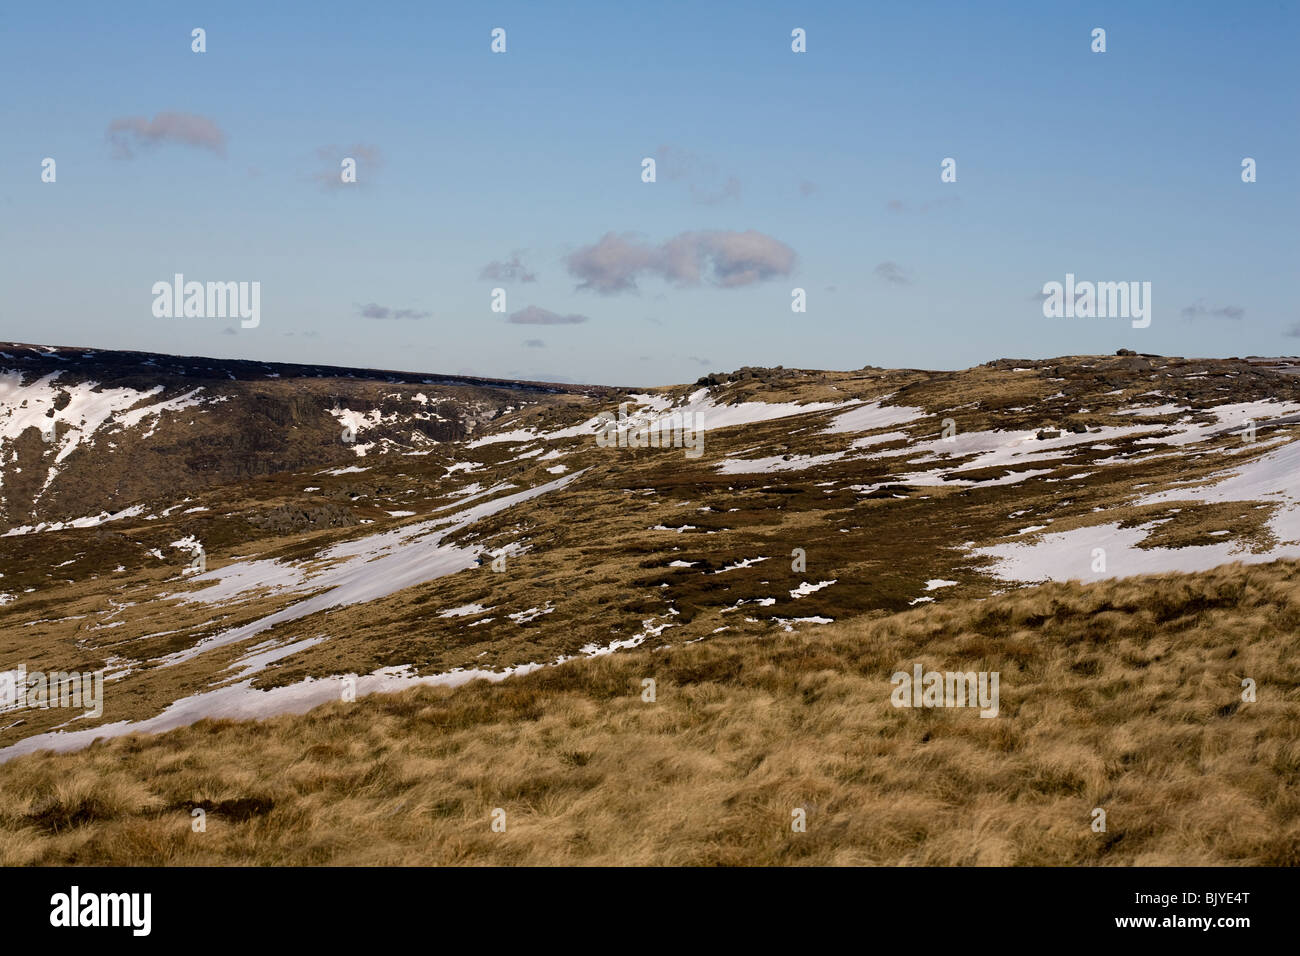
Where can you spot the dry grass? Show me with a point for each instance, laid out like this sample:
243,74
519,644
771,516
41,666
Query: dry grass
1122,695
595,555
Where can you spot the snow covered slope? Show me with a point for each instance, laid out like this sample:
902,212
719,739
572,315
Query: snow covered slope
238,539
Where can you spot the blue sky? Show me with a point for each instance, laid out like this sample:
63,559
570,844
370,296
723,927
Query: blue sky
1115,166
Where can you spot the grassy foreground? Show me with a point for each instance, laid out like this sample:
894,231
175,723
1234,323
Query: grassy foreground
1124,695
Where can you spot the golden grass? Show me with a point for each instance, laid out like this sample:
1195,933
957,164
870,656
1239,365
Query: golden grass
1121,695
100,597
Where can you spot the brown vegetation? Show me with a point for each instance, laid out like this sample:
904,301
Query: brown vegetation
1124,695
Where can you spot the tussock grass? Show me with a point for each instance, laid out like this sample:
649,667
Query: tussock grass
596,554
1124,695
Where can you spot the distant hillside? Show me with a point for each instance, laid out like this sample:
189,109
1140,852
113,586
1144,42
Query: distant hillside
206,536
84,431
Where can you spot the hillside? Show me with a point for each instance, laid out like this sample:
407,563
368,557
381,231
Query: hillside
1121,695
233,540
85,431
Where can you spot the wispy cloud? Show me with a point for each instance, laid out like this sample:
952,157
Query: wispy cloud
374,311
128,133
511,270
1202,311
533,315
893,273
708,185
717,195
725,259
